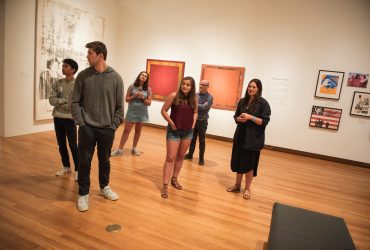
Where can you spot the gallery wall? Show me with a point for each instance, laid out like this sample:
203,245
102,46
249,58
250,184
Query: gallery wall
284,43
19,57
2,26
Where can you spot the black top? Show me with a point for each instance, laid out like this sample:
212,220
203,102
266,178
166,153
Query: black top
254,134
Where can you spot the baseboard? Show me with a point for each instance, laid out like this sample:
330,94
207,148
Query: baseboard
286,150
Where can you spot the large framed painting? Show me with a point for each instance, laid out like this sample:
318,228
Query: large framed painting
324,117
226,83
360,104
62,31
329,84
165,77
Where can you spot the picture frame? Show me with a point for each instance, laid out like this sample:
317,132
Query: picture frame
360,104
325,117
357,80
224,79
62,31
329,84
165,77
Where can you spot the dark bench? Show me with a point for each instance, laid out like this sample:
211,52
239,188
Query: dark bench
297,228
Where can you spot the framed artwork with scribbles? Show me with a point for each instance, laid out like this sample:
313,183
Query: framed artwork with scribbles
62,31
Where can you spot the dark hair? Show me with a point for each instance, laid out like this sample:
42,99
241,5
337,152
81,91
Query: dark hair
251,108
72,63
190,99
98,47
137,81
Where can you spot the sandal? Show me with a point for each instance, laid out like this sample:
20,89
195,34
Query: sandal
234,189
246,194
175,183
164,191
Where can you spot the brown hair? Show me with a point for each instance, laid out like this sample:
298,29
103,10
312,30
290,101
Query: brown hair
137,81
98,47
190,98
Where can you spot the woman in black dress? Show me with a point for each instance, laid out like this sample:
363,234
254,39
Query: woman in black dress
252,116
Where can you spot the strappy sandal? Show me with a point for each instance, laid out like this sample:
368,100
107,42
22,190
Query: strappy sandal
175,183
246,194
164,191
234,189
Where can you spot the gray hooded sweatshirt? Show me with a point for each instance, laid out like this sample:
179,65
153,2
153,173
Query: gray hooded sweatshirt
97,99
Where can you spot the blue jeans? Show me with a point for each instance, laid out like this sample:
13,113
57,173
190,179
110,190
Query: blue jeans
177,135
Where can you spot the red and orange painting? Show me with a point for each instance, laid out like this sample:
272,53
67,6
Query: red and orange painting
165,77
226,84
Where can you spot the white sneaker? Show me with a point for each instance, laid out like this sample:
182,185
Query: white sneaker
76,176
63,171
83,203
108,193
136,152
117,152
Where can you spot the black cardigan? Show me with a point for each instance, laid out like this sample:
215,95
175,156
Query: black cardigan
254,134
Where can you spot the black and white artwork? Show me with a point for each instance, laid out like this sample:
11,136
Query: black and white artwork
62,31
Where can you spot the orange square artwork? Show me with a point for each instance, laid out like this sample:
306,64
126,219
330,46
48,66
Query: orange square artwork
165,77
225,86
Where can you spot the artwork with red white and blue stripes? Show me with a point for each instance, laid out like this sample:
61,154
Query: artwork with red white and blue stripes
324,117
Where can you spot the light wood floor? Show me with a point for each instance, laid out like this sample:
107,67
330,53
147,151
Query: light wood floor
37,209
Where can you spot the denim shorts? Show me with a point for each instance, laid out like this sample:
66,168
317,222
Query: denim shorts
180,134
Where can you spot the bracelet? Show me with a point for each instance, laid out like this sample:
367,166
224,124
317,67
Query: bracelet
253,119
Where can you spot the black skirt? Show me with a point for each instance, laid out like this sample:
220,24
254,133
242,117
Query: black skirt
243,160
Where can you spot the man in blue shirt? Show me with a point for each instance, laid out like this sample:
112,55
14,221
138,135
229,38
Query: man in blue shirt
205,101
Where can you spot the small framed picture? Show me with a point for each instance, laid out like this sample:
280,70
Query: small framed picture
357,80
324,117
329,84
360,104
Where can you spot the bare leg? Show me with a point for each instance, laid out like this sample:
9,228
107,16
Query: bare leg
138,127
183,147
239,178
248,182
172,148
238,182
126,133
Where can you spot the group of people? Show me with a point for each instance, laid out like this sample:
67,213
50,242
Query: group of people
94,102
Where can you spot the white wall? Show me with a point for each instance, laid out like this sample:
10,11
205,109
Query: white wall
286,39
19,47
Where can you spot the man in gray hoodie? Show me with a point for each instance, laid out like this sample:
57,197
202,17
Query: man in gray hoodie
97,108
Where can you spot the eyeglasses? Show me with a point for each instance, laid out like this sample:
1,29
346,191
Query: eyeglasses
203,84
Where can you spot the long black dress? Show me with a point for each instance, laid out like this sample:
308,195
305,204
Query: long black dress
249,139
243,160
